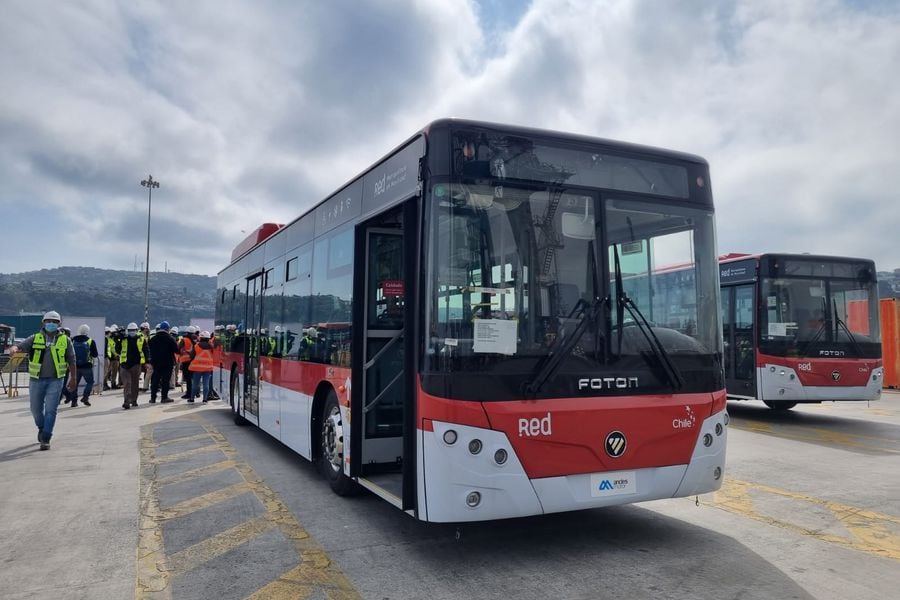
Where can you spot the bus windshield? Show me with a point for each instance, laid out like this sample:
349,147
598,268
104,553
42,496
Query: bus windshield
817,308
518,274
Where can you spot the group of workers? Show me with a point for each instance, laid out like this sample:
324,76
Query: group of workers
159,355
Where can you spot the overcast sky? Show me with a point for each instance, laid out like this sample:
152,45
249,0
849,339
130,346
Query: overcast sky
252,111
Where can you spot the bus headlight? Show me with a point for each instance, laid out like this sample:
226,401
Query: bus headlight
475,446
719,429
717,473
500,456
473,499
707,440
450,437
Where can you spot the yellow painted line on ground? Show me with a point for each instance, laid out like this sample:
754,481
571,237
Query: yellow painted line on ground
198,472
314,573
194,556
205,501
187,438
872,532
170,458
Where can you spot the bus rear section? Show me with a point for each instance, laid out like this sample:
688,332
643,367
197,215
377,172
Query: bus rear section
801,329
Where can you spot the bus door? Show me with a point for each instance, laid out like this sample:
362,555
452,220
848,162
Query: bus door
251,344
384,387
740,349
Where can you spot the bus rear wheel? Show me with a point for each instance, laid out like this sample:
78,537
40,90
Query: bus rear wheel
780,406
331,459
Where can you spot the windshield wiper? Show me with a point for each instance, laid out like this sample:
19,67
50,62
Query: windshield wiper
818,333
624,302
838,321
586,314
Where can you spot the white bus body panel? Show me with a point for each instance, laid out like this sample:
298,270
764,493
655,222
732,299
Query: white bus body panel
451,473
783,384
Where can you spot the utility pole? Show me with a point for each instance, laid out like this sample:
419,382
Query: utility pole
148,183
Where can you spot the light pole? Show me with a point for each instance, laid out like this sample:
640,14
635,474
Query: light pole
148,183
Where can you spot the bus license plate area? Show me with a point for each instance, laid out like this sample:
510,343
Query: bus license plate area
617,483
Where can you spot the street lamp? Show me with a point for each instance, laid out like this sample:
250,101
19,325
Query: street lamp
148,183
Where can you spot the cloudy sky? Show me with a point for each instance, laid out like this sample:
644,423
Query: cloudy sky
253,111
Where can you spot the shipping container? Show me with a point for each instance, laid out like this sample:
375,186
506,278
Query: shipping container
890,341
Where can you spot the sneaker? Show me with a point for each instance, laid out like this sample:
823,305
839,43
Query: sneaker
205,401
191,400
45,445
134,403
126,406
152,399
166,401
85,402
186,396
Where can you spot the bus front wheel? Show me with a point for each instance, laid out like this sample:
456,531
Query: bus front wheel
234,399
780,405
331,461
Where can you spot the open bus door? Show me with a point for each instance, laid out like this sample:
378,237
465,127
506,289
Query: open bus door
738,332
383,458
252,324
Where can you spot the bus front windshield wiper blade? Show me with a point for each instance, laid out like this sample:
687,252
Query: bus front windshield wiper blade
839,322
624,302
586,313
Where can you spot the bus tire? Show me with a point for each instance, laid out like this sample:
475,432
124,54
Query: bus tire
780,406
238,419
331,458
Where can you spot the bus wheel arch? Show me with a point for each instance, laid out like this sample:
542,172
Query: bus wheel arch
780,406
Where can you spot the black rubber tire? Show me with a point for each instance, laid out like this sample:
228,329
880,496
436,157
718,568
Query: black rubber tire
331,441
235,381
780,406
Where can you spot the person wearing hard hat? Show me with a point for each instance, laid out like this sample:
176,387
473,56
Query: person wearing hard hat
112,358
50,356
202,365
147,369
184,359
163,350
85,355
132,356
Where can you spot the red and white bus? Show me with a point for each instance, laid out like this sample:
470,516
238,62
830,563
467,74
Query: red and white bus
800,328
452,329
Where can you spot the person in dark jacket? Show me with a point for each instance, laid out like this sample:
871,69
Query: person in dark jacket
85,355
163,349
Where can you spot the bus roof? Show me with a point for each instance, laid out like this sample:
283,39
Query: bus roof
734,256
264,232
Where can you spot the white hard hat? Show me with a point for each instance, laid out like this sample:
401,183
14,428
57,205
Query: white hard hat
106,330
51,316
191,329
132,327
145,325
218,328
231,327
83,329
174,330
204,335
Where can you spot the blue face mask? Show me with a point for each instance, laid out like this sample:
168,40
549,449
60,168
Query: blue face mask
51,327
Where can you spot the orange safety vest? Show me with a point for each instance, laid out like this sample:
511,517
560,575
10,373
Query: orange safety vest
187,344
203,360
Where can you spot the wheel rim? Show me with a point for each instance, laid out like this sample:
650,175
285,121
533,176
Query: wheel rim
333,439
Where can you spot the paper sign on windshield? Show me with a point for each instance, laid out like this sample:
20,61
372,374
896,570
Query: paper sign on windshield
495,335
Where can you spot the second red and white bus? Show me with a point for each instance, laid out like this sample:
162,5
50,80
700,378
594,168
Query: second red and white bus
468,328
800,328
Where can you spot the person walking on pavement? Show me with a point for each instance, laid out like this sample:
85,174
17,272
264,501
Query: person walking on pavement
50,355
146,369
132,356
163,350
85,354
113,346
184,350
202,365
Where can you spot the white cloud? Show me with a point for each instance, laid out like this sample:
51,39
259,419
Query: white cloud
252,115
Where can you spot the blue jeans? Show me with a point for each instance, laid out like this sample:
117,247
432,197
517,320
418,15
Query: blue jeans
206,378
44,394
88,374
